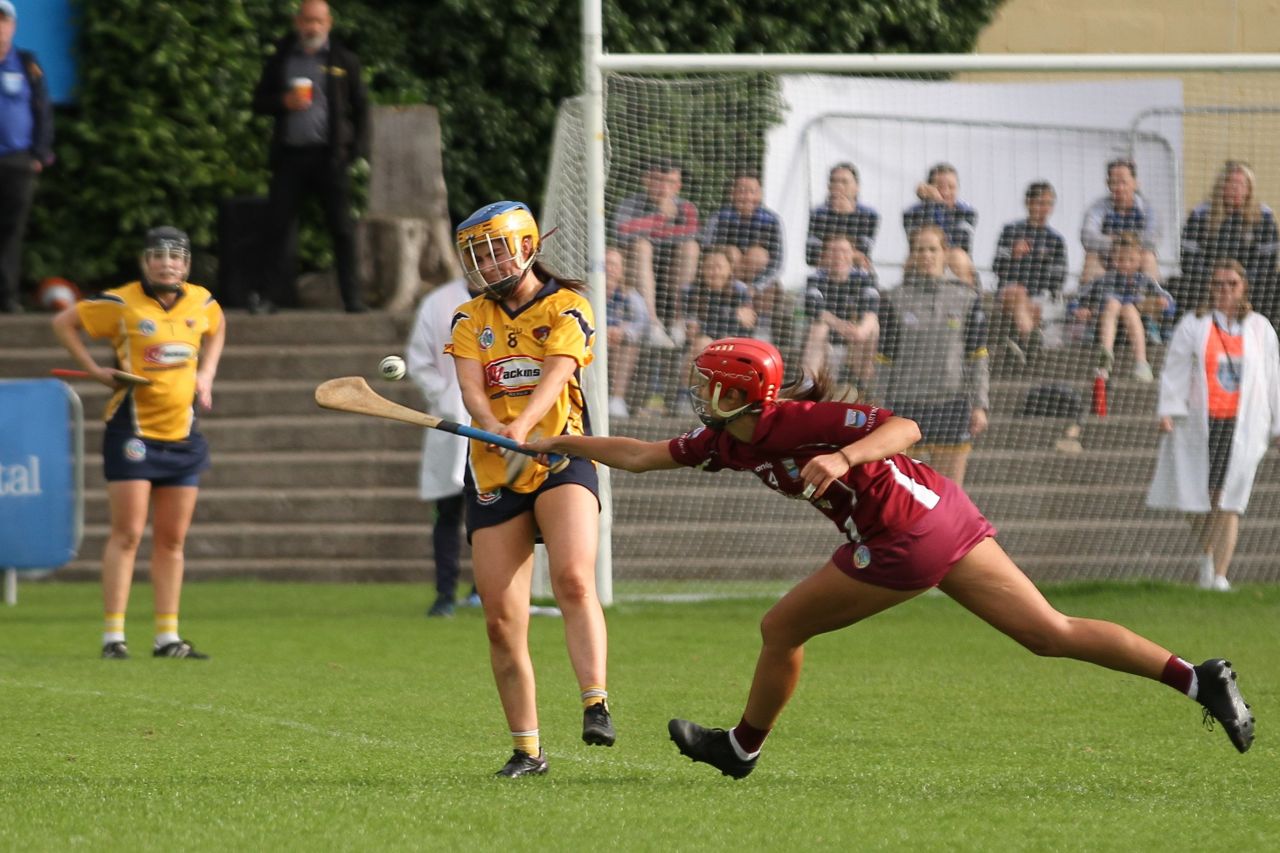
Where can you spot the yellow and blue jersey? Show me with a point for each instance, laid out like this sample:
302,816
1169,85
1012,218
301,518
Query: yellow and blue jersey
162,344
511,348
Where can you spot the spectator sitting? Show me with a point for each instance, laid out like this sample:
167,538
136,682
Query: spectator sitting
842,213
1125,293
1031,264
933,354
940,205
1123,210
628,325
1232,225
751,235
658,230
715,306
842,303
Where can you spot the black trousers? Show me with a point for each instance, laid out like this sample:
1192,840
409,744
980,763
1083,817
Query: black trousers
299,173
446,544
17,188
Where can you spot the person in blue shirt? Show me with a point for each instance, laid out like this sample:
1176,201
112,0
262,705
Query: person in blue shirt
1031,264
842,213
1122,210
940,205
1232,225
26,149
751,235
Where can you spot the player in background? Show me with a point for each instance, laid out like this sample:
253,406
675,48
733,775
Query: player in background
907,527
172,332
519,349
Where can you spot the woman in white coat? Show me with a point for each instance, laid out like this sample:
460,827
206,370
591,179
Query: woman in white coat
444,455
1219,408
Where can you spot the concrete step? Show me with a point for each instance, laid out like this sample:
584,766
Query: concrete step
315,431
289,569
294,506
285,328
292,541
305,471
240,361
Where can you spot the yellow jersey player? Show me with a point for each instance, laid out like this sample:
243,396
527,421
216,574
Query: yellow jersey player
171,332
520,348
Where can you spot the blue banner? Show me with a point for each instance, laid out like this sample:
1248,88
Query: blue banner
37,475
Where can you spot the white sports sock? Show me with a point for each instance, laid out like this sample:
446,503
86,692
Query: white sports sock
112,637
165,639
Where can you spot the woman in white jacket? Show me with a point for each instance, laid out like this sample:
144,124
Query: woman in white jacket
1219,408
443,454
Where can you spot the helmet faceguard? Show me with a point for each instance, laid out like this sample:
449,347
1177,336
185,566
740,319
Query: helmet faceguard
749,366
491,246
166,258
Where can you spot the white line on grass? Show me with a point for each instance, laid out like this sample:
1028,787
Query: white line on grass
282,722
214,709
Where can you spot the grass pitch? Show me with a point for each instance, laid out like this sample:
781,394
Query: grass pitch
337,717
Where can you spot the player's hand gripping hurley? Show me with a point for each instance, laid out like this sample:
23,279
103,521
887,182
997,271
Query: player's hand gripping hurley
353,394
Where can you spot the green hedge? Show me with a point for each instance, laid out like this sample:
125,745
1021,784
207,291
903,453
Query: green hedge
162,130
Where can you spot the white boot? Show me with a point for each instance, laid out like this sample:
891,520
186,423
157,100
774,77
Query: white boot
1205,580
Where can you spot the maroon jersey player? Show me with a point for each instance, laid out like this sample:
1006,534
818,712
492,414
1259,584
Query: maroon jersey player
907,528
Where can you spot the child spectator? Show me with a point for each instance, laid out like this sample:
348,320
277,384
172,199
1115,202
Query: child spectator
940,205
1030,264
658,230
841,304
628,322
1127,294
842,213
751,235
715,306
1232,225
1122,210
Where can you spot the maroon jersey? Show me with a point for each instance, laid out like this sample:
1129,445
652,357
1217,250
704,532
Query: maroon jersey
886,496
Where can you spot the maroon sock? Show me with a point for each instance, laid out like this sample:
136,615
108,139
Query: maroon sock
1178,674
748,736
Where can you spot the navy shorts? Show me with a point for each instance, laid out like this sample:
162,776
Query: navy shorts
163,463
493,508
941,424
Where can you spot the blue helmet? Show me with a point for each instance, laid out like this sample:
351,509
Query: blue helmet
492,237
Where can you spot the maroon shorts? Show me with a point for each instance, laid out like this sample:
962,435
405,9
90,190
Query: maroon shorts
920,557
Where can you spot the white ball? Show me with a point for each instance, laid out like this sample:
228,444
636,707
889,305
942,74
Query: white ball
392,367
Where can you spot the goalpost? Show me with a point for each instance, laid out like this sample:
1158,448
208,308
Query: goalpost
1065,484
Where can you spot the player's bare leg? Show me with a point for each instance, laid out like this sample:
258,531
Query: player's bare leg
128,500
503,559
171,510
987,582
568,517
827,600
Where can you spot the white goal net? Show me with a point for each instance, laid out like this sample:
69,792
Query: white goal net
1084,215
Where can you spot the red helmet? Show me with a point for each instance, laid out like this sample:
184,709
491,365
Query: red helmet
748,365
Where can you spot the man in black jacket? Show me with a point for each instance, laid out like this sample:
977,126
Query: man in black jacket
26,148
311,85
